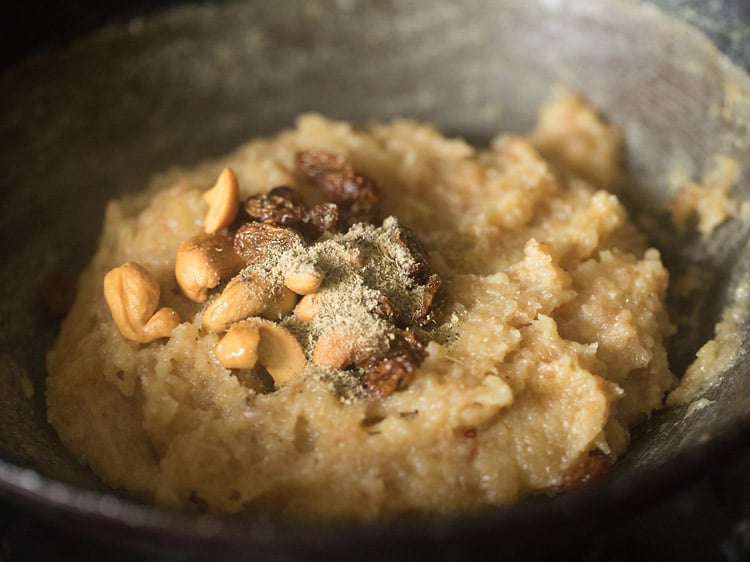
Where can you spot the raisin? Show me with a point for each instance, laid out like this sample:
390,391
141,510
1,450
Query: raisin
324,218
394,369
426,314
337,181
384,309
315,164
280,206
255,240
418,268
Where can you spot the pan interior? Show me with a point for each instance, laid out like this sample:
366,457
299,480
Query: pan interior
97,119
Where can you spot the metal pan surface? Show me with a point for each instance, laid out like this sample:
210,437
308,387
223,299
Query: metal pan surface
85,122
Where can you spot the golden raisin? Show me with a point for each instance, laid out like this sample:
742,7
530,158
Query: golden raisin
280,206
393,370
338,182
255,240
324,218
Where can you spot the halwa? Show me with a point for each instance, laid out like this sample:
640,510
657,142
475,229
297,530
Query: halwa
428,328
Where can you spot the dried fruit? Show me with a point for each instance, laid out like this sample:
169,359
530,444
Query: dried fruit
426,314
256,240
323,218
338,182
413,258
384,309
280,206
394,369
413,255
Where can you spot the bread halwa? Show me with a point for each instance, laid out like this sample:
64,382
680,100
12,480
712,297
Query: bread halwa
543,345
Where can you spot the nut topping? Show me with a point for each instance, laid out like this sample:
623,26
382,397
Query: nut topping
265,342
308,307
202,262
246,296
238,349
335,349
359,326
279,352
224,202
303,282
132,293
282,303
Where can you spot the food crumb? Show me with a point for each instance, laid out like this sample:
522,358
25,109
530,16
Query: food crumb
697,405
708,202
715,356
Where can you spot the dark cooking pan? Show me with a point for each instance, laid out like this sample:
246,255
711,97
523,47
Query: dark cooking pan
82,123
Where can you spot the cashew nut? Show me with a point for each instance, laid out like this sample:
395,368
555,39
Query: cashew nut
281,305
279,352
308,307
202,262
224,202
334,349
303,282
244,296
238,349
132,293
273,346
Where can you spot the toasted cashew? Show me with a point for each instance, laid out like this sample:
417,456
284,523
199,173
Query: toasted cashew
203,262
308,307
334,349
265,342
224,202
303,282
238,349
132,294
246,296
281,305
279,351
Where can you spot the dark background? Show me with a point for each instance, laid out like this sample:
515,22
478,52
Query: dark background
27,25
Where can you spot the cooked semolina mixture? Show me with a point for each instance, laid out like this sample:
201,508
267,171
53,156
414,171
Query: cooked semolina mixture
388,321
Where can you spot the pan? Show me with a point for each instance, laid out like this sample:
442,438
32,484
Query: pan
95,118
